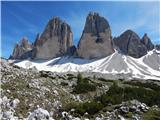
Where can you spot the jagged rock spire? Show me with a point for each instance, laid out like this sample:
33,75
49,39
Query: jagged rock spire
96,41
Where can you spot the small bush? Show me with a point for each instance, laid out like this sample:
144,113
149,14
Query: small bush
89,107
117,94
83,85
83,88
145,85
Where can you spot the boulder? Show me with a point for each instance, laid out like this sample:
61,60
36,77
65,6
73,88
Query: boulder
96,40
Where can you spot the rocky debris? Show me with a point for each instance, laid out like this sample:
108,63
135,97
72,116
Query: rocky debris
147,42
96,40
8,106
132,108
14,103
129,43
40,114
153,59
67,116
55,41
22,50
124,109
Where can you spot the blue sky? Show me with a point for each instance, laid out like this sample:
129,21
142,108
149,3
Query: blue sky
20,19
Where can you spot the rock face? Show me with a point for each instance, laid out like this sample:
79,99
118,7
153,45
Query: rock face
55,41
147,42
96,40
157,47
22,50
129,43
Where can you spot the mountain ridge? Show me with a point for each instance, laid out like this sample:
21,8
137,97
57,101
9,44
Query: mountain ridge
96,39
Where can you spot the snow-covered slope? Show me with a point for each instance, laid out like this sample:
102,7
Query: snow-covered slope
146,67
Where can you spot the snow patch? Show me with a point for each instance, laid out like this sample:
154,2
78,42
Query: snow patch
113,64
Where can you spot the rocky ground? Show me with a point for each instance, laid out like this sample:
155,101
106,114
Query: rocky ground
41,95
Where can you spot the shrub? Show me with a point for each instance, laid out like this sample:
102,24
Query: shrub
89,107
79,78
83,85
116,95
83,88
146,85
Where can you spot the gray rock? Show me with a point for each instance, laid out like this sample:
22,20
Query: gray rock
96,40
22,50
124,109
147,42
130,44
55,41
157,47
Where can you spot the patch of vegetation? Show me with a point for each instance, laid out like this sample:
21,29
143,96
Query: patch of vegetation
117,94
89,107
105,80
83,85
151,115
150,85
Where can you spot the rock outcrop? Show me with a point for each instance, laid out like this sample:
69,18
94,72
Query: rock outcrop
22,50
129,43
55,41
147,42
157,47
96,40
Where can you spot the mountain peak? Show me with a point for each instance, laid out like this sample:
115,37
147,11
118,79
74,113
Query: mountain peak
96,40
95,23
55,41
92,13
130,43
147,42
21,49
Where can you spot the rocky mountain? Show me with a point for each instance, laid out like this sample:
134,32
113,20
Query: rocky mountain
157,47
147,42
55,41
129,43
96,40
22,50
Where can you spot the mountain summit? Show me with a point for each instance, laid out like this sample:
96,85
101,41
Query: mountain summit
130,44
22,50
55,41
96,40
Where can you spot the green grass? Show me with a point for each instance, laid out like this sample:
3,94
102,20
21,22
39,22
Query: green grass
151,115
